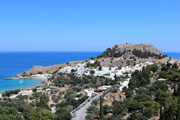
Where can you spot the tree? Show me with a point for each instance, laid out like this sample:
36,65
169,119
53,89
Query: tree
161,96
136,116
161,113
139,78
119,108
9,113
164,67
160,85
106,109
142,97
153,67
100,68
35,89
39,114
62,114
92,72
115,117
128,92
151,108
175,67
115,78
174,77
178,89
170,108
101,108
148,112
178,112
133,105
168,105
92,112
73,71
40,72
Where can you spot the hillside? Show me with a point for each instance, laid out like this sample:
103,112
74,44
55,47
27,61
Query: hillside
129,54
132,50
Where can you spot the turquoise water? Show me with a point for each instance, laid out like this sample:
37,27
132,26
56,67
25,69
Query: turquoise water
12,63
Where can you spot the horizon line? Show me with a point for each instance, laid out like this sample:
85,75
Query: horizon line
51,51
74,51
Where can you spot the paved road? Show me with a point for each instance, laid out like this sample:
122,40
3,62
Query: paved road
81,114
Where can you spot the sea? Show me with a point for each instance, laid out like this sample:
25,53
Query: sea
12,63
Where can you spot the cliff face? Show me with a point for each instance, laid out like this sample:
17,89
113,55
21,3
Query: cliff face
141,46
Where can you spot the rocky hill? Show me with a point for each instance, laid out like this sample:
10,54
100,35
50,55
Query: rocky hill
141,46
123,54
140,50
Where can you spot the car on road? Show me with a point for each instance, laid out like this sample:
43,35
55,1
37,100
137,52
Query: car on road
78,108
74,115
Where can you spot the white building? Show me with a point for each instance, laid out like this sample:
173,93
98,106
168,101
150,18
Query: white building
108,72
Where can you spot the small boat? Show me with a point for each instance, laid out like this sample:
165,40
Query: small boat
21,81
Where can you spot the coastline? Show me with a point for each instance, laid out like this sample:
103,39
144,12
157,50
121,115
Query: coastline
42,77
14,64
47,71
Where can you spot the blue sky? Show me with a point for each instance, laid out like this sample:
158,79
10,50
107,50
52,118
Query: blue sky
88,25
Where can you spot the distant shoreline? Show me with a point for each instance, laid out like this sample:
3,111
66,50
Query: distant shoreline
44,80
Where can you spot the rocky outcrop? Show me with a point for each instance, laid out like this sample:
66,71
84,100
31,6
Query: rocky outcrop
132,50
141,46
122,55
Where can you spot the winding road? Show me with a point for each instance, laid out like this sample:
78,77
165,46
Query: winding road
81,113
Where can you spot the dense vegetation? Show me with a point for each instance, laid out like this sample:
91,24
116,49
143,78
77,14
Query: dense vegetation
139,78
138,53
142,78
38,109
146,97
111,53
20,110
82,82
141,54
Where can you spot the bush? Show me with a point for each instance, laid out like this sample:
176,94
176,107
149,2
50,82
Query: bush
10,92
141,54
148,112
40,72
92,72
